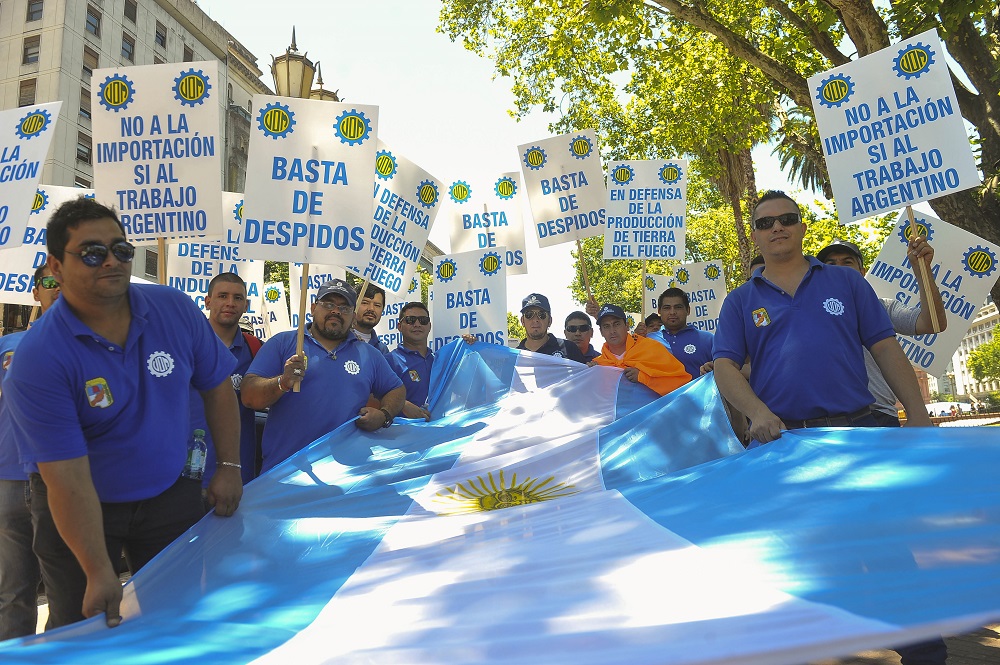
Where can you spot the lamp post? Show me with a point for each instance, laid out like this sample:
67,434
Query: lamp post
321,92
293,72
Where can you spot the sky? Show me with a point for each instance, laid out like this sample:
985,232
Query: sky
439,104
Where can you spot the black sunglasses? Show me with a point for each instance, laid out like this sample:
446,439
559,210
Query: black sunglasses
575,329
788,219
48,282
422,320
94,255
532,313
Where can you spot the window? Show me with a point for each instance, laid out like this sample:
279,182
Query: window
34,10
131,7
85,103
93,21
188,54
161,35
157,60
152,262
128,47
83,148
32,46
26,92
80,181
90,61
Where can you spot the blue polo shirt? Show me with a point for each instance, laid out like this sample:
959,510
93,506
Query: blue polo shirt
591,352
248,417
693,347
414,370
74,393
335,387
10,466
805,351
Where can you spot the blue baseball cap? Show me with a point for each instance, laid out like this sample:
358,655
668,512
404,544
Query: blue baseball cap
611,310
536,300
341,288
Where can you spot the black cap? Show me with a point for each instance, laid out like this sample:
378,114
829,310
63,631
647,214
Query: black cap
611,310
341,288
536,300
840,247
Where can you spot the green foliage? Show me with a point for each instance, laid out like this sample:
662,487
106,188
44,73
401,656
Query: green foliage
984,362
276,271
514,328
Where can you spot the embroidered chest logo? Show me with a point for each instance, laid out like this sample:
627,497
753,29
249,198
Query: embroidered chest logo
160,363
5,361
98,393
237,380
352,367
414,376
760,317
833,306
689,349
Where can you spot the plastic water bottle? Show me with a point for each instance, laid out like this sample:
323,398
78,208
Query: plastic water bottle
194,468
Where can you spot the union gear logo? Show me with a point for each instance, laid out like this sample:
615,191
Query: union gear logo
160,363
98,393
760,318
689,349
833,306
352,368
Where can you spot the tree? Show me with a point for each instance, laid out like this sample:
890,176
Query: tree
573,55
984,362
514,328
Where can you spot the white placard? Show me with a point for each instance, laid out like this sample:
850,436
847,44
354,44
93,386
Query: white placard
470,297
407,200
25,135
309,184
565,184
18,264
490,216
705,284
965,269
646,209
318,276
386,329
892,130
157,149
274,310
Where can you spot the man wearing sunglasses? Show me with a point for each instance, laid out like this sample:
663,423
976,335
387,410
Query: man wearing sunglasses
798,319
580,331
536,317
412,360
96,392
19,574
336,374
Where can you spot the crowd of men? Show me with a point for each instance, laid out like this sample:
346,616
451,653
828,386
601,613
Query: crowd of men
92,451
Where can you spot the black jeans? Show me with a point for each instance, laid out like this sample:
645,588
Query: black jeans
139,528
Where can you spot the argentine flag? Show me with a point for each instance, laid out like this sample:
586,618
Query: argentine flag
555,513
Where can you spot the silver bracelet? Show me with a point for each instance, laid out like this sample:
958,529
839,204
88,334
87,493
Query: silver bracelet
279,385
232,464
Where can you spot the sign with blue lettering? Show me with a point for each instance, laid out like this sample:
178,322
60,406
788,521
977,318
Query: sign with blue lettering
25,135
891,129
489,217
407,200
191,265
274,309
387,329
309,181
157,151
564,180
647,204
705,285
470,297
964,270
318,275
18,264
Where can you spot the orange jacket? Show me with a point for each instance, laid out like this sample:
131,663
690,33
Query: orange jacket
658,369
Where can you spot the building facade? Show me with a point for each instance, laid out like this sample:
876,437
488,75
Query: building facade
957,379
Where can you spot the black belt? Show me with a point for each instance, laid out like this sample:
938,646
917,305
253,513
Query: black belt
845,420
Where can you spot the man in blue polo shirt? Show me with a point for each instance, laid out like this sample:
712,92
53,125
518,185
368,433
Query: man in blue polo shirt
693,347
413,359
336,374
798,319
579,330
536,317
95,392
19,574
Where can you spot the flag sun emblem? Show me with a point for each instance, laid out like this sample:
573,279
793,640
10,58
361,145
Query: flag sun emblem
485,493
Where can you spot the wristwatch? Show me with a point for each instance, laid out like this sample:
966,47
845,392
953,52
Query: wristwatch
388,417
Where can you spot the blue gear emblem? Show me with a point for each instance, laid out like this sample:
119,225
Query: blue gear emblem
427,193
979,261
713,271
534,158
41,200
683,276
352,127
835,90
581,147
913,61
238,211
924,228
490,264
385,165
276,120
505,188
670,173
191,88
460,192
33,124
446,271
116,93
622,174
650,284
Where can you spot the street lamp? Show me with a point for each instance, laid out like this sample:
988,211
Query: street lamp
293,72
321,92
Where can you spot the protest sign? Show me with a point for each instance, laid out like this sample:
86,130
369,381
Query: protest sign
705,285
407,200
564,181
318,275
274,310
892,130
157,149
25,135
964,270
387,330
646,209
470,297
309,181
19,263
491,217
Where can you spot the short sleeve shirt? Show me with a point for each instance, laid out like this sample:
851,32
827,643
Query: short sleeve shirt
414,370
10,466
904,322
557,347
691,346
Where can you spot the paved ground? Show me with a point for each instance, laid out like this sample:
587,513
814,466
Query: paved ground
979,648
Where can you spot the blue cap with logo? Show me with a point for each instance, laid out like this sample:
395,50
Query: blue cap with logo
341,288
536,300
611,310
